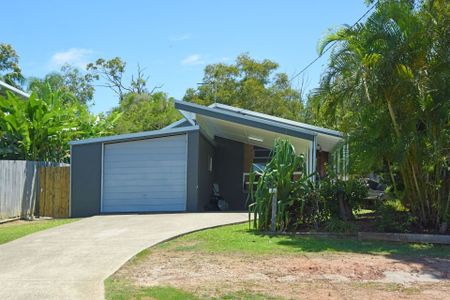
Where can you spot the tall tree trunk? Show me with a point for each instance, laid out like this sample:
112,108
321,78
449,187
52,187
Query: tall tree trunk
391,175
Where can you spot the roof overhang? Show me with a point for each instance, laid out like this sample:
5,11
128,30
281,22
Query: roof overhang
246,120
257,129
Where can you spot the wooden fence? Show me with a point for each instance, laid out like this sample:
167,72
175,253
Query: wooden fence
20,187
54,191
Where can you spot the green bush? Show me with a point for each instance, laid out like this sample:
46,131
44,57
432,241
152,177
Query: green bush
352,192
300,200
393,217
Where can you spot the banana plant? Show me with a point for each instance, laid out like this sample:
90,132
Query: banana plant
291,190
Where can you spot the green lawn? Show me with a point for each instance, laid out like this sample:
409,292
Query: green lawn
120,290
11,231
237,240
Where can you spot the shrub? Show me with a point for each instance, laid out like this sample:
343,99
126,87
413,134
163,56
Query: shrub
342,196
393,217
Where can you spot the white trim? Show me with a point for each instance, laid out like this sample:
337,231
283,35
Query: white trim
313,160
101,178
15,90
138,135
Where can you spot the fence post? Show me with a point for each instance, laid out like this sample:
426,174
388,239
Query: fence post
273,191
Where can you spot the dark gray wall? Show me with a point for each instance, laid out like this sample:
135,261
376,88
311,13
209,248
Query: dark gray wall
85,174
192,171
205,177
228,169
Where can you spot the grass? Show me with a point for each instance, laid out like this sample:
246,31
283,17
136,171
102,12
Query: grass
122,290
11,231
238,238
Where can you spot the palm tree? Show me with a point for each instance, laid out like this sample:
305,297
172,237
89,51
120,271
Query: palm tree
382,79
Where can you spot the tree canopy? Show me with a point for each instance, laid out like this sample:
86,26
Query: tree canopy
10,71
142,112
249,84
75,85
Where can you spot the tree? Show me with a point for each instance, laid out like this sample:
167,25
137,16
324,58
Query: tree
142,112
387,86
10,71
40,128
249,84
70,80
111,73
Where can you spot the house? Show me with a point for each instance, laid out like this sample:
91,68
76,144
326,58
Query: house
173,169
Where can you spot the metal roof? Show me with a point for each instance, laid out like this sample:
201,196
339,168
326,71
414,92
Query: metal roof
249,120
305,126
136,136
226,113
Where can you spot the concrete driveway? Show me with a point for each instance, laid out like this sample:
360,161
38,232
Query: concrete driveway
71,261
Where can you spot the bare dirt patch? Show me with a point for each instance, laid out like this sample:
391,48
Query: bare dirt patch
293,276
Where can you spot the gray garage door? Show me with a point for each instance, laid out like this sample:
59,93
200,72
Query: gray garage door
144,176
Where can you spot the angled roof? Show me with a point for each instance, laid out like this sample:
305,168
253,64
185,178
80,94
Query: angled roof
136,136
231,114
304,126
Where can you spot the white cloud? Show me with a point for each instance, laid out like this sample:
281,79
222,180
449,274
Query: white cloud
181,37
77,57
192,60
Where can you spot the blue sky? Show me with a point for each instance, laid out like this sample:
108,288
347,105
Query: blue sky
172,40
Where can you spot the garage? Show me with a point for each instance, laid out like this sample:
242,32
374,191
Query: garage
145,175
173,169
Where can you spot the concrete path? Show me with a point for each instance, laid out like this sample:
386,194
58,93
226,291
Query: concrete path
71,261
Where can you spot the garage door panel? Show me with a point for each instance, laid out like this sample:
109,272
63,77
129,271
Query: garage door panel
132,177
141,147
161,201
148,175
145,208
145,164
179,193
155,154
142,186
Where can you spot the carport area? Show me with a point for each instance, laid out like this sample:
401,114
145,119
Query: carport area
234,142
